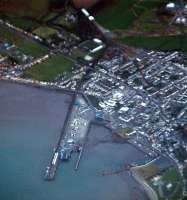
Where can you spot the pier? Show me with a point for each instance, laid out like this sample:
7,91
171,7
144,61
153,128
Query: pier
73,136
53,164
79,159
52,167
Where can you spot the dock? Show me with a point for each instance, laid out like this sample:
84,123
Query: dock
82,149
79,159
53,164
73,136
51,168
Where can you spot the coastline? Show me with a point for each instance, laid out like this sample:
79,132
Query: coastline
148,190
102,153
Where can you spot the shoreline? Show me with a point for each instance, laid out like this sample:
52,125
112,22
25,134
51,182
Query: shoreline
148,190
114,138
100,146
24,82
30,83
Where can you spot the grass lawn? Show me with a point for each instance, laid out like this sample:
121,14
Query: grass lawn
124,132
33,49
147,22
123,13
170,175
165,43
48,16
117,16
78,53
140,16
26,46
22,23
49,69
44,31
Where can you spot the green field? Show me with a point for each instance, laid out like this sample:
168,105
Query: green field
48,16
165,43
78,53
44,31
25,45
170,175
32,48
140,16
117,16
21,22
124,132
49,69
122,14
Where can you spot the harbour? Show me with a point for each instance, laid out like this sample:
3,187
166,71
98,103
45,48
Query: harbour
73,135
30,124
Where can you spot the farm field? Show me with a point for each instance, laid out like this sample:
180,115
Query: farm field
49,69
25,45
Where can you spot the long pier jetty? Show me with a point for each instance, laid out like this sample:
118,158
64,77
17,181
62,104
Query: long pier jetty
53,164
